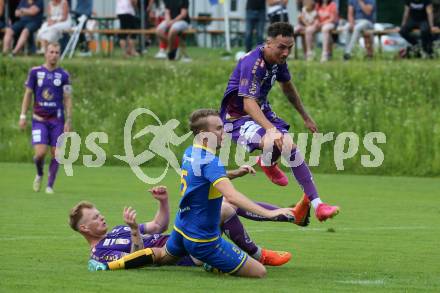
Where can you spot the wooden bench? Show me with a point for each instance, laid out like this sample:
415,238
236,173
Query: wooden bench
114,32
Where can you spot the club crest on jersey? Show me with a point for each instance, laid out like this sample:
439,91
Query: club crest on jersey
57,82
47,95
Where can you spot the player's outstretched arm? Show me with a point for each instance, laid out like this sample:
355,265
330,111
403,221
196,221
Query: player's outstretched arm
292,95
241,201
130,219
162,218
240,172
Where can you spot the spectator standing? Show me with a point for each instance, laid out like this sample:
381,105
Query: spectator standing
255,20
58,20
418,14
2,14
83,7
361,17
30,13
126,12
277,11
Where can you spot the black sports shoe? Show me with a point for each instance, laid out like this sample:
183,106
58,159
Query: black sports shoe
172,54
347,56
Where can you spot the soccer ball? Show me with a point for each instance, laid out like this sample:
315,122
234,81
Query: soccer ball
239,55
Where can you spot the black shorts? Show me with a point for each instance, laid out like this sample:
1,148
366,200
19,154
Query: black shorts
278,17
20,25
128,21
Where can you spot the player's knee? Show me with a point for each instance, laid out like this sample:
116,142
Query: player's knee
227,211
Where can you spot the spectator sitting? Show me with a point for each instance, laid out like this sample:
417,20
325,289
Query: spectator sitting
361,17
176,21
328,17
418,13
30,13
307,20
58,20
125,10
277,11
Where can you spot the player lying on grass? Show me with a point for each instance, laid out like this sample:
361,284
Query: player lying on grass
130,241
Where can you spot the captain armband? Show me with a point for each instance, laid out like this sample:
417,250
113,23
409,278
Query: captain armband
67,89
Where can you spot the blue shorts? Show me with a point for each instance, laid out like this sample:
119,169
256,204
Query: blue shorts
248,133
46,132
220,254
20,25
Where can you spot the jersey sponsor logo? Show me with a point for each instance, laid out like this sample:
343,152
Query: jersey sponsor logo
58,75
122,241
47,95
417,6
47,104
274,77
40,78
185,209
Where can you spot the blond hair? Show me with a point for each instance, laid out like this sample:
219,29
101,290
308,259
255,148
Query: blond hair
197,120
76,213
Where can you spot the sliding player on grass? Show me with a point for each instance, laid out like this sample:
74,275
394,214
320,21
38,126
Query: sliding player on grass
131,244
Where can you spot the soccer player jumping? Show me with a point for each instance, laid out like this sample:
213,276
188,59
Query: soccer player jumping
51,89
248,117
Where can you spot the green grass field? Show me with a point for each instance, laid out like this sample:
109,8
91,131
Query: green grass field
385,239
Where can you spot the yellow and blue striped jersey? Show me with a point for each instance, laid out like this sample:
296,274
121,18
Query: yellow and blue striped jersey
198,217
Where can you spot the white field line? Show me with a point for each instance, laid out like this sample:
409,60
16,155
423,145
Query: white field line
363,282
355,229
37,237
290,229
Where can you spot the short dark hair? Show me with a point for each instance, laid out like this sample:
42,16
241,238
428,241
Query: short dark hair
197,120
284,29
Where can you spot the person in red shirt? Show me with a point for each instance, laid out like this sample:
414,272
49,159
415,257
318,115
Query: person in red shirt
328,17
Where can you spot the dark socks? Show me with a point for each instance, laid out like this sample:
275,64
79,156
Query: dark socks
39,163
53,169
234,229
254,217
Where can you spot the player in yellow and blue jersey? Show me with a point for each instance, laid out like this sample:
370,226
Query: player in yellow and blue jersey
204,182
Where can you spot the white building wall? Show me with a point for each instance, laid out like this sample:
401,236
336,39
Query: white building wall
107,8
